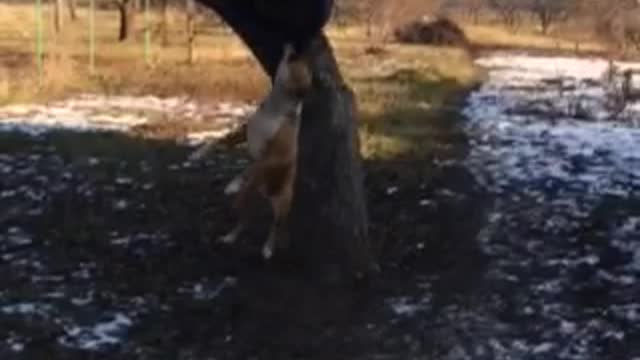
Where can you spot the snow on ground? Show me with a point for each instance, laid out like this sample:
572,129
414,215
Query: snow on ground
120,113
564,234
558,88
562,238
530,146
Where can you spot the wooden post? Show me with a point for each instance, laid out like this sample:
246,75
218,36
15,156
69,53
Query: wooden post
191,33
92,36
4,82
57,15
39,40
147,34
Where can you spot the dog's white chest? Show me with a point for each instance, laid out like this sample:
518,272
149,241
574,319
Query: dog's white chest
260,129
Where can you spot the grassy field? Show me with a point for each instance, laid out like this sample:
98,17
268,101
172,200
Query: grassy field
529,37
399,89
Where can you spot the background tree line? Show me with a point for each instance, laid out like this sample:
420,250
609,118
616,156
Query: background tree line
615,22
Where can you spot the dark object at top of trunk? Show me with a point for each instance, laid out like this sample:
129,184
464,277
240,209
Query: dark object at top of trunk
440,31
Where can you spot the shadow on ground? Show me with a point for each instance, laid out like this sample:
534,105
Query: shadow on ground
101,227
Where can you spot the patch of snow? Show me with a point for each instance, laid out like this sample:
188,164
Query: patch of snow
542,348
425,202
121,204
198,137
552,173
513,148
205,291
83,301
26,308
17,346
405,306
96,336
116,113
392,190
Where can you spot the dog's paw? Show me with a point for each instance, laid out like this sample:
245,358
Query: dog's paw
233,187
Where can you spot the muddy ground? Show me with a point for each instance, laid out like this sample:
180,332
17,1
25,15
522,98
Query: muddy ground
108,252
519,238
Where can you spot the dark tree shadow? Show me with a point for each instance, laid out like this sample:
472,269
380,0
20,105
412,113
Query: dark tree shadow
145,220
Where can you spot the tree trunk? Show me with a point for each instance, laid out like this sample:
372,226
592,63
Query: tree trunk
127,19
57,15
72,10
329,216
328,225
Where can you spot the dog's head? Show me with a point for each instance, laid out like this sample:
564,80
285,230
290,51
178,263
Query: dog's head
293,75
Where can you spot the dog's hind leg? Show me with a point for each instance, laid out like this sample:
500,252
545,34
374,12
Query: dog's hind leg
246,182
281,204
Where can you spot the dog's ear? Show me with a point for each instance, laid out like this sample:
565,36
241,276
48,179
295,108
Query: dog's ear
300,77
291,53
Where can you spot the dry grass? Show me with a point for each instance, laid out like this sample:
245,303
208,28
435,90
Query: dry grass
120,67
494,36
399,90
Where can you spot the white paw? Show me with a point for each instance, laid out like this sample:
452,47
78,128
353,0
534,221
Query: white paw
233,187
227,239
267,250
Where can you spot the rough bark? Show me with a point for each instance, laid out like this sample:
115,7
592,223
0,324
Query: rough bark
328,224
329,219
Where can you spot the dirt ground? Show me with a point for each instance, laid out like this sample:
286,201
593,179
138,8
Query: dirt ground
507,239
103,224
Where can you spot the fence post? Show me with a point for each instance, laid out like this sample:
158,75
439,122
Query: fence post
147,34
39,47
92,37
4,82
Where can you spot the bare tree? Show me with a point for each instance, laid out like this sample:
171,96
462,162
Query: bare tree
473,8
127,18
617,22
509,11
549,12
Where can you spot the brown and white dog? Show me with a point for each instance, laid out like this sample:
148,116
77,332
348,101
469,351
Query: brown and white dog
272,137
